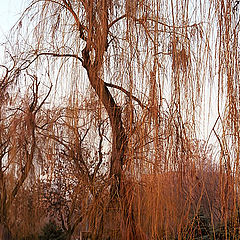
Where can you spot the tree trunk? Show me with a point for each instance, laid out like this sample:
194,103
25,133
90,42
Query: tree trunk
5,233
119,146
119,139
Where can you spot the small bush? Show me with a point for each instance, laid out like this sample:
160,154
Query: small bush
52,232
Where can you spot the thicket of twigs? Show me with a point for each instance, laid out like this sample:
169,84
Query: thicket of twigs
121,118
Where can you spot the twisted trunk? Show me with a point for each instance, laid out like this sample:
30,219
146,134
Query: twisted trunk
119,139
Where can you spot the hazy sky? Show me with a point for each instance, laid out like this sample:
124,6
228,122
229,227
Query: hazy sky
10,11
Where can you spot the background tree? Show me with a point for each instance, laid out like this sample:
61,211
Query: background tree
19,141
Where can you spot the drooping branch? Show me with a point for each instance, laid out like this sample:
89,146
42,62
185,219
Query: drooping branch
80,27
126,92
27,63
116,20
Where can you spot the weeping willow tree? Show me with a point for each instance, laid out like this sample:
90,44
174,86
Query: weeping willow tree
135,82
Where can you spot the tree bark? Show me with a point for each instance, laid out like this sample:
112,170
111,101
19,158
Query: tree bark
119,139
5,234
3,197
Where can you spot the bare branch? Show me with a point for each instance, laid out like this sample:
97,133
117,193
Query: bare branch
116,20
44,99
126,92
81,28
53,55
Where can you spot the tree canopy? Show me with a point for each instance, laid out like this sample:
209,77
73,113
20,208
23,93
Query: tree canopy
120,118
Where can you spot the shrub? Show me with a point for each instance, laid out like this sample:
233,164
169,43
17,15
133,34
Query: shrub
52,232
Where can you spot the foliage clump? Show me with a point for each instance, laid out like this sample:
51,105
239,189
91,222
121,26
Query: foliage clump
51,231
